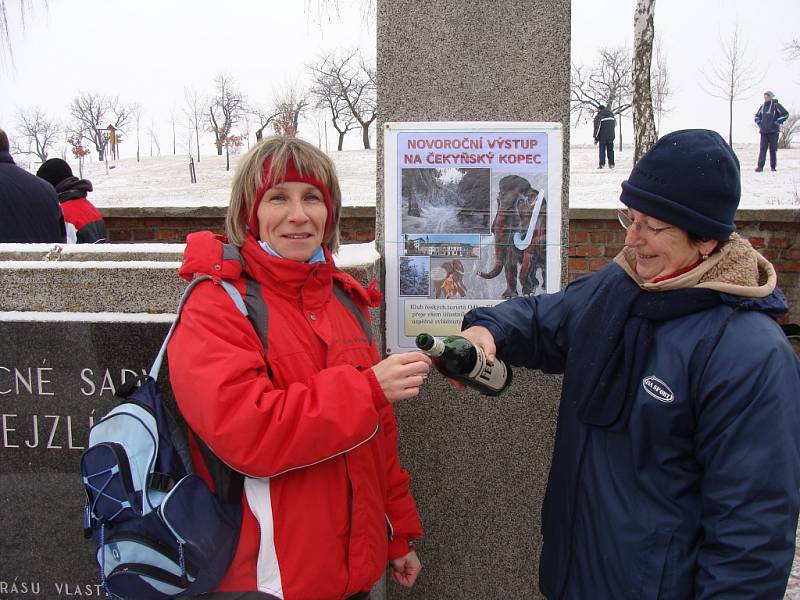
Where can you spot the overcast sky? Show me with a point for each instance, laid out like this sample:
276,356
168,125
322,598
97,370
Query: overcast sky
150,50
690,32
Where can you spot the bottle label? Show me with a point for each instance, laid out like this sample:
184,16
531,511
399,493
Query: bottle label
492,376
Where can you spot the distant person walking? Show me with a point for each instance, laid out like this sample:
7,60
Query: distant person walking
604,125
29,210
769,117
84,222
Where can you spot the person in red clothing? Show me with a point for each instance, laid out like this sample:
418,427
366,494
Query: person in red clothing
325,503
84,222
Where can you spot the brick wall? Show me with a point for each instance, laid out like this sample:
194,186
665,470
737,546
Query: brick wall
147,225
595,237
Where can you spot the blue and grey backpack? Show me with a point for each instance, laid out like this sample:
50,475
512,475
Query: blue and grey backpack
160,532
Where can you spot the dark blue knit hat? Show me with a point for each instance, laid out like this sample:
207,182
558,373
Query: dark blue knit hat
689,179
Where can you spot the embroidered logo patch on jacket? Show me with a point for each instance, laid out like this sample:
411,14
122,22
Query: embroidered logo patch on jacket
657,389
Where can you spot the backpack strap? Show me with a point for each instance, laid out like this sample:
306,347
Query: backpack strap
228,482
227,286
257,312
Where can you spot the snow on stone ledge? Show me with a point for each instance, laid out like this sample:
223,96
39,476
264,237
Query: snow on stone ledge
88,264
67,249
86,317
354,255
349,255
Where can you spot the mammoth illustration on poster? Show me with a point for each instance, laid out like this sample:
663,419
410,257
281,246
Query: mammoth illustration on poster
519,229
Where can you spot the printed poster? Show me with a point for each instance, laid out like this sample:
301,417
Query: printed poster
473,217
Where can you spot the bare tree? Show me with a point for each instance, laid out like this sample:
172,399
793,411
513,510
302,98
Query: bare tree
92,113
365,104
136,113
193,106
174,136
353,81
6,51
607,83
225,109
327,9
644,127
38,130
660,84
151,132
246,130
789,128
264,117
734,76
325,94
792,49
290,103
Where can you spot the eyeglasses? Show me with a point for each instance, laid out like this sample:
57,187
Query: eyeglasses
645,230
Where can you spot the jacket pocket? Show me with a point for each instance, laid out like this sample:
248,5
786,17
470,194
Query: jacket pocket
652,563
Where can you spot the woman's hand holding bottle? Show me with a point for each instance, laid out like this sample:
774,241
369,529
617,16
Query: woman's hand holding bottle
483,339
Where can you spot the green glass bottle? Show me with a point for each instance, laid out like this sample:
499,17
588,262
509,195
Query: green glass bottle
457,358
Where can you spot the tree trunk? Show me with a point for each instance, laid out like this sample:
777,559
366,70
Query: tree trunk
619,129
197,136
730,122
227,159
365,135
644,128
341,140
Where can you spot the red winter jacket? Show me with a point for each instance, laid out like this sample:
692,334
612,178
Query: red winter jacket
325,501
83,221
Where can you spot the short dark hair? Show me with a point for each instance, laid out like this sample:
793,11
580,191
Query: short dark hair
4,146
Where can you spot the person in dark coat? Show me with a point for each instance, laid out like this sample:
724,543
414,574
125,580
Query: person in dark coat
84,222
604,125
29,210
769,118
676,464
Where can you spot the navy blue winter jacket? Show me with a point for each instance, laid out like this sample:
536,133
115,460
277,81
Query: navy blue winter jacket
29,209
770,116
604,125
696,495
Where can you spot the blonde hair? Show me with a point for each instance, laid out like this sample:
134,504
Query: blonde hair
308,160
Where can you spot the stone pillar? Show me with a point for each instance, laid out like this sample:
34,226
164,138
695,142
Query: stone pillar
478,465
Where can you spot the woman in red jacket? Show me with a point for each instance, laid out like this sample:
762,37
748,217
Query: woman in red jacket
309,422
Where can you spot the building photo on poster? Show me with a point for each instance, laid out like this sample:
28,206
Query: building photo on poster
473,217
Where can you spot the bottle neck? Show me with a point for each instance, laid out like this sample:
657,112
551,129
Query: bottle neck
437,349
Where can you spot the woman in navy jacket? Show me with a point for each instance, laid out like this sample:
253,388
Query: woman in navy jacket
676,466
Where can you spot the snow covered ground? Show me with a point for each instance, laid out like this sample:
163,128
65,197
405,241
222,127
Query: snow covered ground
590,187
164,181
